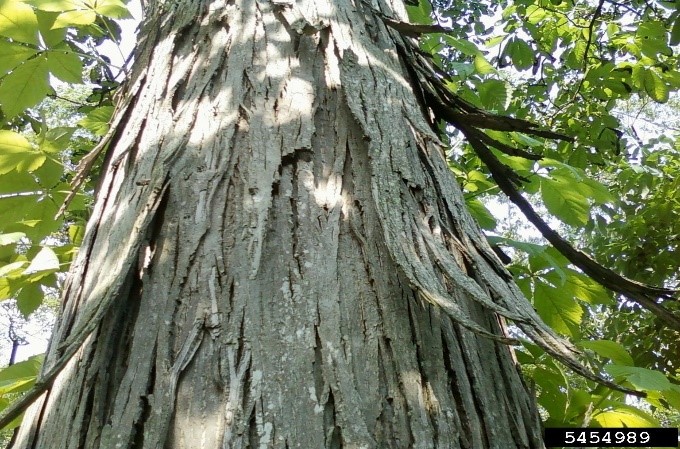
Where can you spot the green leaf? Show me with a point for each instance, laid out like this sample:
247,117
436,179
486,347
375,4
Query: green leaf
652,48
8,250
580,403
66,66
45,262
529,248
481,214
16,153
463,45
521,54
31,212
46,20
651,29
577,55
76,233
564,202
17,386
559,311
624,416
476,180
16,422
21,370
482,66
577,179
609,349
651,38
536,14
586,289
492,42
638,72
9,272
57,5
114,9
640,378
545,260
596,191
11,238
526,140
520,164
421,13
26,86
11,142
655,86
5,289
13,269
14,182
98,120
612,29
29,298
551,383
77,12
12,54
613,87
18,22
50,173
494,95
675,31
463,70
55,140
79,17
673,396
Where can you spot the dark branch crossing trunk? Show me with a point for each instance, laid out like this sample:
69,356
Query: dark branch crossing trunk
278,256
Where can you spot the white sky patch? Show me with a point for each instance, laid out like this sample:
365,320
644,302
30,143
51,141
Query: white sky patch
119,53
33,333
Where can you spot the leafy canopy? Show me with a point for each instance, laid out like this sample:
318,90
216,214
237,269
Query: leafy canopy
46,45
579,68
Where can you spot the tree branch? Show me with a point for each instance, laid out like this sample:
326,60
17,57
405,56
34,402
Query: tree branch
591,27
644,295
447,106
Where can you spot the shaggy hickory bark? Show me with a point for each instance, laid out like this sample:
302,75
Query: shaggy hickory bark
278,256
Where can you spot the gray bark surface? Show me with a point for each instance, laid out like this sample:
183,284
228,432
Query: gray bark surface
278,256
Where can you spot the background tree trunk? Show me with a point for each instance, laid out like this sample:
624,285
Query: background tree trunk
261,245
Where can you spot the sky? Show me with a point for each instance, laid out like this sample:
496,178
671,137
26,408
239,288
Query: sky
129,36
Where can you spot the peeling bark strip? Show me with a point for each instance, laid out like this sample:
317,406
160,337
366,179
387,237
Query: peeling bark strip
308,277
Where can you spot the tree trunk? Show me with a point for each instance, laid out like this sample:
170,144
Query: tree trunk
274,225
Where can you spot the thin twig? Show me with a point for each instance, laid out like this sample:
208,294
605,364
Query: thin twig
591,28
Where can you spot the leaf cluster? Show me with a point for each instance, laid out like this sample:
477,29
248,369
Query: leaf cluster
45,129
572,66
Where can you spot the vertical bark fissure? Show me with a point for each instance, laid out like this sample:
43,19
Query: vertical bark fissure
462,423
87,414
479,409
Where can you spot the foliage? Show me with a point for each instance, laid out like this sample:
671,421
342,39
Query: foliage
571,66
44,44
